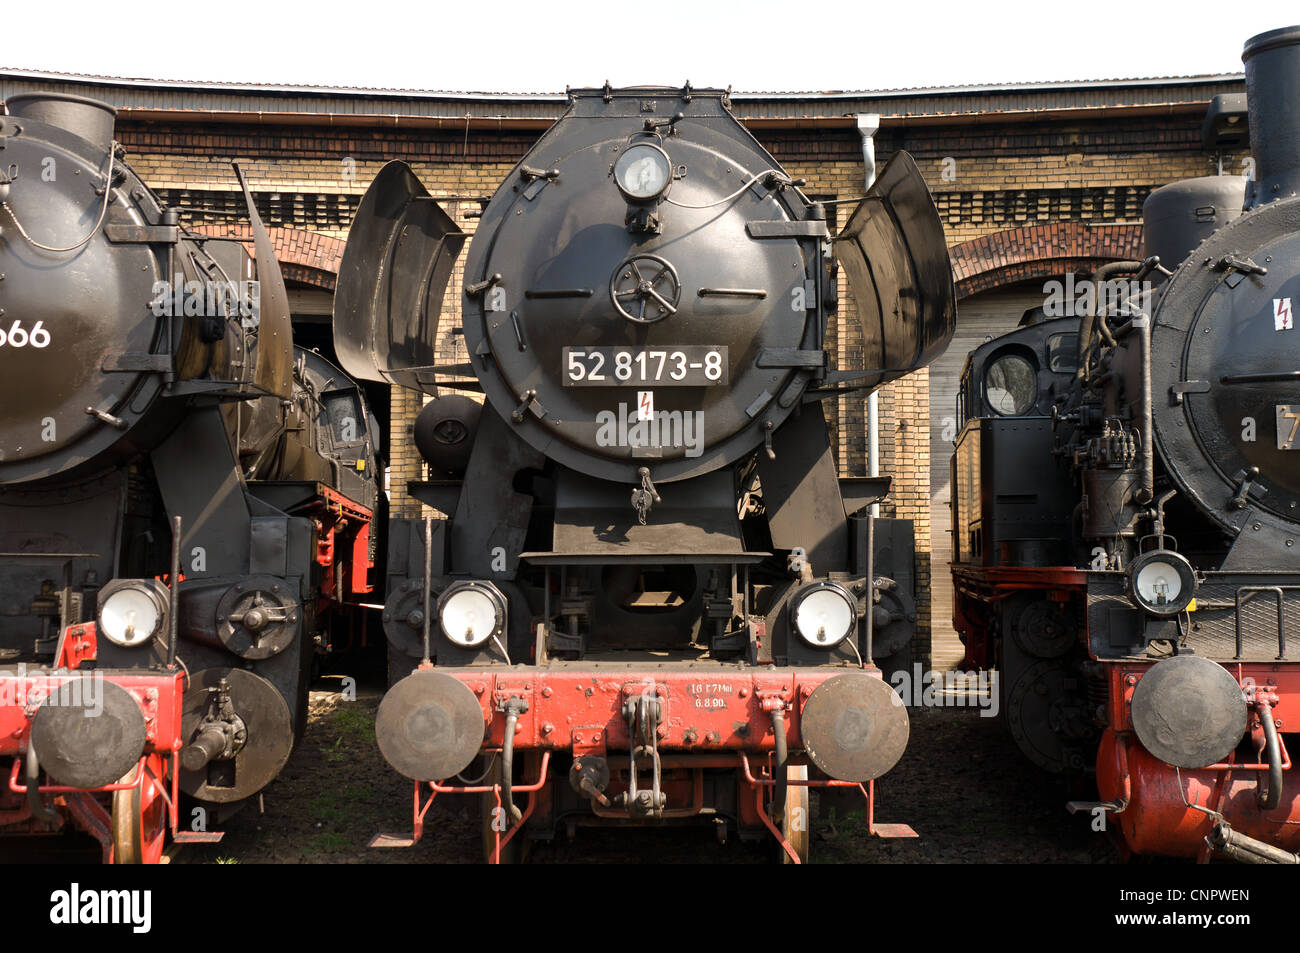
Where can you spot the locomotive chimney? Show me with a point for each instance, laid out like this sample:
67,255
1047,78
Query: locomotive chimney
1272,77
88,118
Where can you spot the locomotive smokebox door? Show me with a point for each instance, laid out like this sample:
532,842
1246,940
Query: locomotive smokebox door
650,302
400,252
896,258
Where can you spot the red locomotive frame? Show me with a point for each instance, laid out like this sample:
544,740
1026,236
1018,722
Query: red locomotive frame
578,712
1158,808
151,790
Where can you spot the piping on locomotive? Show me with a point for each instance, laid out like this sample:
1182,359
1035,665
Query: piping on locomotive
184,502
1125,520
652,599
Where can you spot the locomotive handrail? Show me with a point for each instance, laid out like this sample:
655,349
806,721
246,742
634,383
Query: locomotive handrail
65,789
797,783
439,788
103,212
1254,765
736,194
1280,593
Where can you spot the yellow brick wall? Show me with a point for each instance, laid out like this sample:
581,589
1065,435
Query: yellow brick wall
958,185
977,174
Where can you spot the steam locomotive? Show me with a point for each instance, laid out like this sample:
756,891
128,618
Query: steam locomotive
184,500
651,599
1125,522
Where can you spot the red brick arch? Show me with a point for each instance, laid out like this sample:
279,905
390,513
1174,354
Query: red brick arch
307,257
990,261
1039,251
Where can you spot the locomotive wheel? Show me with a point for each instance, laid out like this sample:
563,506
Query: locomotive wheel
796,818
1044,629
1047,714
139,821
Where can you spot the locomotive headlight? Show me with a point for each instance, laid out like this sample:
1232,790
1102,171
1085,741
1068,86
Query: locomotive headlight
643,172
824,614
470,613
132,611
1162,582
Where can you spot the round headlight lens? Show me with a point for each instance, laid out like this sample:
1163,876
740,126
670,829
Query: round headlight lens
1158,584
469,615
130,616
1162,582
824,615
642,172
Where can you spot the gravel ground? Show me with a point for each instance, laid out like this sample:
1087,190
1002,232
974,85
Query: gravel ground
962,785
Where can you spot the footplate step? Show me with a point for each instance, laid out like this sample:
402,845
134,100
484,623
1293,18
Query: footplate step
895,830
198,837
391,840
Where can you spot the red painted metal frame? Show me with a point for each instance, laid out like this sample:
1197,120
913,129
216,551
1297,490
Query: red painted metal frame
710,718
157,693
80,643
1127,772
436,788
760,784
975,588
333,514
701,709
1276,682
1169,811
160,695
998,582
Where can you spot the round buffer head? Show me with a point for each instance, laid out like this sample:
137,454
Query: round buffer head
430,726
89,732
854,727
1189,712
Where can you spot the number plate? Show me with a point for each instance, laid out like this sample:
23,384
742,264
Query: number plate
691,365
1288,426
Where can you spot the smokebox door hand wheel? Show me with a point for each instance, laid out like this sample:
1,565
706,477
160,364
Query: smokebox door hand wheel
645,289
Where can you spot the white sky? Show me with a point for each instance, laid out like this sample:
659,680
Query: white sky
544,45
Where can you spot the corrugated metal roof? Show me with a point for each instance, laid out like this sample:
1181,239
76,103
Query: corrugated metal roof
150,94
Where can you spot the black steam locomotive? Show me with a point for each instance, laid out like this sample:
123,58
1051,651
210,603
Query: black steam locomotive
652,598
184,501
1127,509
